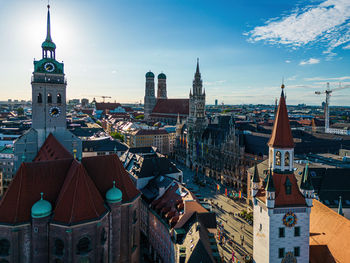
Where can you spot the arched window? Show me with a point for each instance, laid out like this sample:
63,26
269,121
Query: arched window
286,159
103,236
49,98
59,98
59,247
4,247
83,246
40,98
278,158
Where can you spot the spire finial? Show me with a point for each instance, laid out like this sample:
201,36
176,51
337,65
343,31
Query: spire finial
197,69
113,183
41,194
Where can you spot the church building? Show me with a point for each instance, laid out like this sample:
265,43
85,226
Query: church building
48,106
61,207
161,108
282,209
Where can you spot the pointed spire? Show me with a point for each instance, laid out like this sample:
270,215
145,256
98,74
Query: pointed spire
340,207
48,30
178,119
256,178
306,183
197,69
281,134
270,187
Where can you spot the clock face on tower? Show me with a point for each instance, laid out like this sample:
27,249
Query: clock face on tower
54,112
49,67
290,219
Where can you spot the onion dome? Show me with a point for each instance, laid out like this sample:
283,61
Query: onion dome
41,209
114,195
149,74
161,76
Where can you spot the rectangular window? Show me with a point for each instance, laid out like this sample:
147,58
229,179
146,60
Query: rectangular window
281,252
297,231
281,232
296,251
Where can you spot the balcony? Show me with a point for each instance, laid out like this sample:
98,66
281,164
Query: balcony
50,80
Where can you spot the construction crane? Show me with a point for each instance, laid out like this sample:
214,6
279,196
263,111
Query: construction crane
328,93
103,97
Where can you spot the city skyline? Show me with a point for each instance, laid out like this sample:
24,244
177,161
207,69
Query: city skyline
245,49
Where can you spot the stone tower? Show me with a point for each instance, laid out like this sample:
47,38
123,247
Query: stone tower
281,208
150,99
48,106
161,94
197,120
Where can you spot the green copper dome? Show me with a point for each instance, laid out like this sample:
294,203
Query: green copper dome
149,74
48,45
114,195
42,208
161,76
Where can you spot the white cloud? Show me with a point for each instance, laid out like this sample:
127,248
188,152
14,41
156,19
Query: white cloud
214,83
327,79
310,61
327,22
288,61
347,47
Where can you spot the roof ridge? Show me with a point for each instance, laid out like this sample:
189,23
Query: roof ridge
88,187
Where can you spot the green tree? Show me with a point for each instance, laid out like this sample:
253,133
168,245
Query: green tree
20,111
117,136
139,117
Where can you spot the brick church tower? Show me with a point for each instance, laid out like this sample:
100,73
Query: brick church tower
281,208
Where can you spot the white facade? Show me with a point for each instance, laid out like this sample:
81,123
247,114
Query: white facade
267,242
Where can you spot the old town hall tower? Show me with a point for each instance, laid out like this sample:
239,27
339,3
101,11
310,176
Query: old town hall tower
281,208
48,105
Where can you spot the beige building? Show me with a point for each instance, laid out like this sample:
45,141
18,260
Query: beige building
158,138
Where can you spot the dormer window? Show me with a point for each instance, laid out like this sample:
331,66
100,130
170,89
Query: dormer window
278,158
286,159
288,186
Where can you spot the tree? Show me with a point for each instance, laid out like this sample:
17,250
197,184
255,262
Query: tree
20,111
117,136
139,117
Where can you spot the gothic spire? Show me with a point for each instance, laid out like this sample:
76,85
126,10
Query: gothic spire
197,69
306,183
256,178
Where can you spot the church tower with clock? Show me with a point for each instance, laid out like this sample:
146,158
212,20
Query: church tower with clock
48,105
281,208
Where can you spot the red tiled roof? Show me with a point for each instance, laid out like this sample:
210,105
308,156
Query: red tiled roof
106,106
282,199
52,150
281,136
172,106
65,184
329,235
78,189
30,180
296,198
103,170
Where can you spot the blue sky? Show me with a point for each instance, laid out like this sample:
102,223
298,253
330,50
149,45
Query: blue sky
245,47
